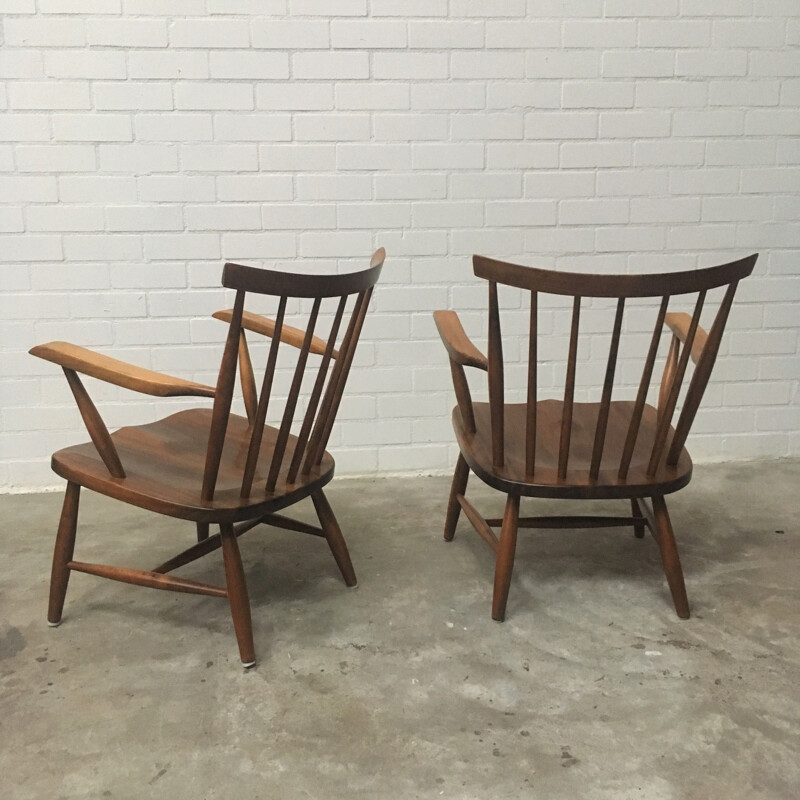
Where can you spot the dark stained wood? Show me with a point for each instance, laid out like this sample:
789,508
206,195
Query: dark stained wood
463,395
569,391
95,426
458,487
333,535
648,285
222,401
247,378
533,359
504,565
345,363
153,580
62,553
699,381
665,414
496,391
237,595
614,449
456,342
119,373
263,404
639,524
605,402
559,523
668,376
291,401
266,327
477,522
262,281
316,394
641,396
194,465
669,557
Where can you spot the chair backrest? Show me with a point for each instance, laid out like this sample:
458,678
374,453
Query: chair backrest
664,285
328,386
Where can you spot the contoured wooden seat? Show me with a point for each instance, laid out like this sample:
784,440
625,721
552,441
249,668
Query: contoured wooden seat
560,448
211,466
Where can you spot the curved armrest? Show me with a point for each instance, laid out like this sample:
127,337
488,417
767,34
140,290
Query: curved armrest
458,344
111,370
679,323
266,327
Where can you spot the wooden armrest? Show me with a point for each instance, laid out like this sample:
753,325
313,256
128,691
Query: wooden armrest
679,323
458,344
111,370
266,327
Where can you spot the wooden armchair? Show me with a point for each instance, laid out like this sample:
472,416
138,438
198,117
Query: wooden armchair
211,466
620,449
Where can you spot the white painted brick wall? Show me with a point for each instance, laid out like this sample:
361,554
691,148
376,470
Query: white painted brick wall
144,142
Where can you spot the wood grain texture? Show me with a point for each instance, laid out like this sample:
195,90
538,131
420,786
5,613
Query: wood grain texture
679,323
458,345
119,373
256,323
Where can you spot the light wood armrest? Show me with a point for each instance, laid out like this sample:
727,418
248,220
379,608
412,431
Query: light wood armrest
266,327
111,370
458,344
679,323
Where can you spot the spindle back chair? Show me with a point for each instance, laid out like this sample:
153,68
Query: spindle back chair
211,466
559,448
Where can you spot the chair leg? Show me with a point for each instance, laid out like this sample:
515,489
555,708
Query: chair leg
62,553
459,486
505,558
333,535
202,531
638,527
669,557
237,595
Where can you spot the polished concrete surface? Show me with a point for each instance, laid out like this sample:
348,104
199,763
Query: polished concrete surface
404,687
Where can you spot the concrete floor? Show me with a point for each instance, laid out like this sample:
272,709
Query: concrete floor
404,687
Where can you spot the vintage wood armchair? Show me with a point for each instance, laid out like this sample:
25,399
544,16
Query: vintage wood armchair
620,449
211,466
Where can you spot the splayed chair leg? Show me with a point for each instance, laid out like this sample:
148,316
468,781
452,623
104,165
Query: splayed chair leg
669,557
202,531
334,537
505,558
237,595
459,486
62,553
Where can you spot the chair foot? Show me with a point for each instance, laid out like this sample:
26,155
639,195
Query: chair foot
334,537
670,558
459,486
505,558
62,553
638,527
54,624
237,595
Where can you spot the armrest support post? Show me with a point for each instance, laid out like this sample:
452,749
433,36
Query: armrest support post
94,424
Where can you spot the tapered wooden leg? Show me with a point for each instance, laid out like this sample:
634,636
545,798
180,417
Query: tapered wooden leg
669,557
62,553
202,531
333,535
638,527
505,558
237,595
459,486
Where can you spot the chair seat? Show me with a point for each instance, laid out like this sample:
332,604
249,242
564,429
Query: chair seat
164,463
511,478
